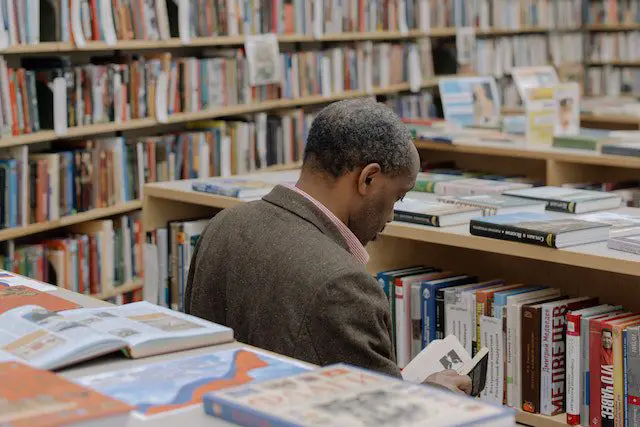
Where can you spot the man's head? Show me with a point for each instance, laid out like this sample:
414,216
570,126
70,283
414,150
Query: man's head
363,154
607,339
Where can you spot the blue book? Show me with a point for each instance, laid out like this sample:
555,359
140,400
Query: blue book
234,187
386,278
500,298
429,311
343,395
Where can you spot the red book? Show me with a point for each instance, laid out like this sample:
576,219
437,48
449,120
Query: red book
596,361
18,296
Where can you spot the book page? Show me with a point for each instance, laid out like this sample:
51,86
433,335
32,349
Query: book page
46,340
141,322
438,356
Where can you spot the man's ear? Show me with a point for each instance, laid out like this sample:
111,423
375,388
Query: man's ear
369,178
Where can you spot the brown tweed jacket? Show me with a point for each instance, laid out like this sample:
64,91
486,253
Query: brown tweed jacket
279,273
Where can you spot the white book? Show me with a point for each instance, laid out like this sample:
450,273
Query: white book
492,338
50,340
514,343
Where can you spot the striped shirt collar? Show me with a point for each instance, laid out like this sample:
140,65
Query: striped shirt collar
356,248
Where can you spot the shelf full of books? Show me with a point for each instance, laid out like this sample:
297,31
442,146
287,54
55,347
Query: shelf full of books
502,251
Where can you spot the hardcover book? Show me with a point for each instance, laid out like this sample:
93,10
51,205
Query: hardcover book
433,213
569,200
342,395
31,397
630,244
632,376
234,187
539,229
157,389
426,182
496,204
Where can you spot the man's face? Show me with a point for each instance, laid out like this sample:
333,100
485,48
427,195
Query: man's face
607,339
376,208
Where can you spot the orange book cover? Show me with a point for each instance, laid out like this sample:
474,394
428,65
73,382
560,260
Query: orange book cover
17,296
31,397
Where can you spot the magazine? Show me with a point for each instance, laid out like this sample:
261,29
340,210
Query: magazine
51,340
470,101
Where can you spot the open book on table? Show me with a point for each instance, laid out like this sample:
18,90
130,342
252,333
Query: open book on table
50,340
446,354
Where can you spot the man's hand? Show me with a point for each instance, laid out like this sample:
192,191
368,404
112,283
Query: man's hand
451,380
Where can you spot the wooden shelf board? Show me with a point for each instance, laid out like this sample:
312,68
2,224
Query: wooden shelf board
613,27
134,285
561,155
538,420
18,232
610,119
615,63
105,128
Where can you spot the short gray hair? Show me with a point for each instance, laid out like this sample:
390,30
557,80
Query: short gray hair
353,133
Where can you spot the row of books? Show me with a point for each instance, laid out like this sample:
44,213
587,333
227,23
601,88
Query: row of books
55,94
32,318
44,186
497,56
94,257
548,352
619,46
612,12
612,81
516,15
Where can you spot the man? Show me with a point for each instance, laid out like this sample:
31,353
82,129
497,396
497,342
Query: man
288,274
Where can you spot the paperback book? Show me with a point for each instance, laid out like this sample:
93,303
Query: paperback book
433,213
51,340
540,229
161,388
569,200
630,244
426,182
342,395
234,187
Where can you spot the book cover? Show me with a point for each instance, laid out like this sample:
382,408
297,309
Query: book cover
618,371
433,213
233,187
426,181
531,328
31,397
343,395
8,278
533,228
17,296
493,204
164,387
565,199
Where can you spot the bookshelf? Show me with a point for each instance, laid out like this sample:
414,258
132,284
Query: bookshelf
134,285
579,270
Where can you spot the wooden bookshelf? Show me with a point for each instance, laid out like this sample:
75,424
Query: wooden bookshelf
615,63
65,221
134,285
613,27
579,270
180,118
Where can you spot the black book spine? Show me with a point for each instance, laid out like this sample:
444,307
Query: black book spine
511,233
560,206
422,219
440,322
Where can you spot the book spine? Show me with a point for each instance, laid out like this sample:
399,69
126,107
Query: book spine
632,378
513,234
618,377
625,367
585,349
401,344
531,323
440,315
561,206
595,416
574,370
241,414
553,368
422,219
428,314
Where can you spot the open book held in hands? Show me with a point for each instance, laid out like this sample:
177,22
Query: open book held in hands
50,340
446,354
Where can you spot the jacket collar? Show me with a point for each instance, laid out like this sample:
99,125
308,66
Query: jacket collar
297,204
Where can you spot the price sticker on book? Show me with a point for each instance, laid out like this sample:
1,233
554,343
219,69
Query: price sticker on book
60,119
263,57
